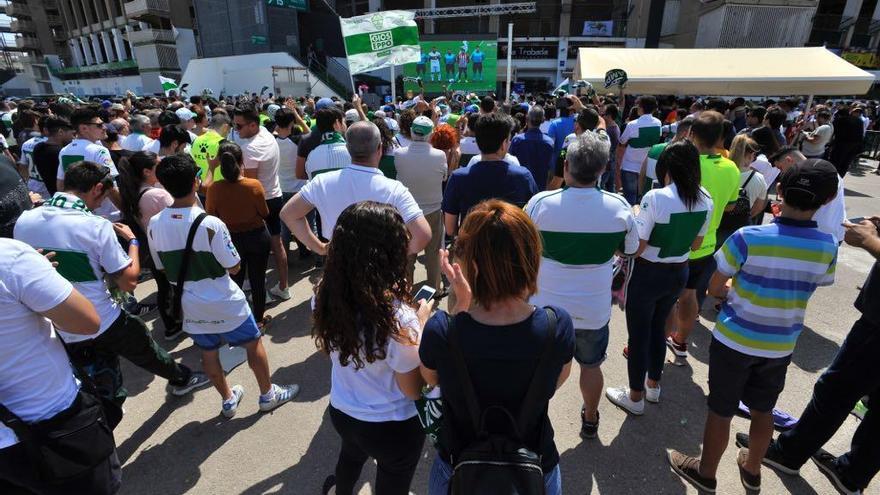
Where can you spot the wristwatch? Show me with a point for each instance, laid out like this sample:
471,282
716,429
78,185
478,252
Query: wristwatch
134,242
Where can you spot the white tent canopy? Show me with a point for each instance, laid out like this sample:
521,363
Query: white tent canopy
725,71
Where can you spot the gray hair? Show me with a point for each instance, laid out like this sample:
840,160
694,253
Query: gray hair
139,122
218,120
536,116
587,156
362,139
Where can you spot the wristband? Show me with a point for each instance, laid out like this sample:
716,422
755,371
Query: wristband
134,242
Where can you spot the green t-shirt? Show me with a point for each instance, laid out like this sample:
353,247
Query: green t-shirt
651,165
720,177
204,148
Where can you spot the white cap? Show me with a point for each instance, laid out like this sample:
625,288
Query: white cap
422,126
352,115
185,114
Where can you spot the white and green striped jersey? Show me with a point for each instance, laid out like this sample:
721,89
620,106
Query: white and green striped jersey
331,154
581,229
638,136
85,247
668,226
83,150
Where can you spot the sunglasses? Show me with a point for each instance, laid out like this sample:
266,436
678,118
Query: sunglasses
96,124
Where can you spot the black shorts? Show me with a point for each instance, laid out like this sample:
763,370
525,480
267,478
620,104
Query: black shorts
478,65
273,221
735,377
700,271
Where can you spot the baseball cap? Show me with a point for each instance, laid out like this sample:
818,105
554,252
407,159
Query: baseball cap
117,106
388,109
271,109
185,114
352,115
379,113
452,118
809,185
324,103
106,103
472,108
422,126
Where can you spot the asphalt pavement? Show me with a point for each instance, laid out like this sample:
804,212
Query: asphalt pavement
171,445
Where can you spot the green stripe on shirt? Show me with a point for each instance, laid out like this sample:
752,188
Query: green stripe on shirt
202,265
581,248
74,266
648,136
675,238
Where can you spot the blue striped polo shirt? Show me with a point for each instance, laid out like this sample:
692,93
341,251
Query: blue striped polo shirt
775,269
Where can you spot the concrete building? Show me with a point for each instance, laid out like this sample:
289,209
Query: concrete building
726,23
850,28
92,47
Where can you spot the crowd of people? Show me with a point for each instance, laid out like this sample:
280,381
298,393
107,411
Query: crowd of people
533,218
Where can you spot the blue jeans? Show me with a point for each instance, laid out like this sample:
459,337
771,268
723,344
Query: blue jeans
286,235
606,182
441,473
630,182
651,294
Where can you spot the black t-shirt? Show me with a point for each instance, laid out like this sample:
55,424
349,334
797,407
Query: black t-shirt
117,155
308,142
46,160
848,129
501,361
14,198
868,301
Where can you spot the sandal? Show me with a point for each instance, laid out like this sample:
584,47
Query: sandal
264,323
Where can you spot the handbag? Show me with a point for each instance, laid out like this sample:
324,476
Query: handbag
740,214
176,306
500,463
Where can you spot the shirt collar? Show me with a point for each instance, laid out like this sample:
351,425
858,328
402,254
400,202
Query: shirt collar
795,223
362,168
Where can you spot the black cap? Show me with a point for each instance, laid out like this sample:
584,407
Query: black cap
809,185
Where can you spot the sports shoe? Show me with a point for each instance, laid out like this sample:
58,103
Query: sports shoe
689,468
620,398
680,350
827,463
329,486
174,334
231,405
282,395
652,395
749,481
277,293
196,380
771,458
140,309
589,429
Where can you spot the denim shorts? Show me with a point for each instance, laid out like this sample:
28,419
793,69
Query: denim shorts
590,346
245,333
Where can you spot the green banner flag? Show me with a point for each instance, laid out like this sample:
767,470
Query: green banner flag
379,40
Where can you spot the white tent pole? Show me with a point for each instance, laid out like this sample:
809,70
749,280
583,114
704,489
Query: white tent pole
393,86
809,104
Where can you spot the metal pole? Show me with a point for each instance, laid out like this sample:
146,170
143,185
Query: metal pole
509,56
809,104
393,86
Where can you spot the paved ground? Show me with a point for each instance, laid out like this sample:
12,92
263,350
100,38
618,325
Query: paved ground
170,445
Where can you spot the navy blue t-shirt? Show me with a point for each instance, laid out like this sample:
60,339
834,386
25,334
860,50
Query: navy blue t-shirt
468,186
501,361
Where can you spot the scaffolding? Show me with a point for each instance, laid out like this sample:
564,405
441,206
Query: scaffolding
476,10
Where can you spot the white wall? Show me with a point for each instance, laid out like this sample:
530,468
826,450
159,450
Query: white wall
108,85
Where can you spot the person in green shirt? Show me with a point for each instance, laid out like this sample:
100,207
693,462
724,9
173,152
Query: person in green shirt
720,177
205,147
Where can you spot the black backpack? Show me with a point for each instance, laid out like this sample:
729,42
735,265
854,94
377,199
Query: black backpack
499,463
742,209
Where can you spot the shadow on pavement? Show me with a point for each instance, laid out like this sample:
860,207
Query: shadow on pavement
813,351
312,375
131,444
173,466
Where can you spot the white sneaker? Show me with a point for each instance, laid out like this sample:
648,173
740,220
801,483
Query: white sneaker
652,395
620,398
231,405
277,293
282,394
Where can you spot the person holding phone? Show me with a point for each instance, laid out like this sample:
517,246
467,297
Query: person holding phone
365,320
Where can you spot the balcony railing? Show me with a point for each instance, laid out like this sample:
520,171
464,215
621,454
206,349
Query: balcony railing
15,9
54,20
22,26
145,8
97,68
146,36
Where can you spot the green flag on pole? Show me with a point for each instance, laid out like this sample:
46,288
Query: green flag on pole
168,84
381,39
564,86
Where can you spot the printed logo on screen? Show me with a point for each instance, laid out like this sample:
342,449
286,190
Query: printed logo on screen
381,41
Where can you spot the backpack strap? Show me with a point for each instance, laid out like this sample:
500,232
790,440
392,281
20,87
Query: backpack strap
748,179
530,403
184,264
458,362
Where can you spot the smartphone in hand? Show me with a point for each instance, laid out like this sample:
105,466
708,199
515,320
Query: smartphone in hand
426,293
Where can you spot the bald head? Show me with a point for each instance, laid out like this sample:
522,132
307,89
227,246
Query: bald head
364,143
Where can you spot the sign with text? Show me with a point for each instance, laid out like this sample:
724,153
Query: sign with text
529,51
290,4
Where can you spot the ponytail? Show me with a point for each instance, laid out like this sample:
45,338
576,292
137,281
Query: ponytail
230,161
681,160
130,180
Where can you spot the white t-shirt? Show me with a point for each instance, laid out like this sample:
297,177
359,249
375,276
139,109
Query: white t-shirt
153,146
763,165
371,393
817,148
830,217
83,150
36,381
334,191
507,158
261,153
136,141
582,228
287,166
468,146
670,229
330,155
756,188
403,140
86,249
212,303
638,136
35,181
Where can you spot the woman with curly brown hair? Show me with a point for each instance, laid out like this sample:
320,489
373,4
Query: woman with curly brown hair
365,322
